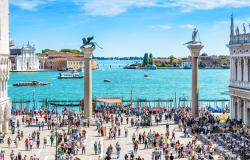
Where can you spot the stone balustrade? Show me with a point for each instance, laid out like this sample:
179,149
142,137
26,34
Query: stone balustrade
240,84
240,39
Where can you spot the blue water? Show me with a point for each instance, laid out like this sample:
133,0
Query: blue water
161,83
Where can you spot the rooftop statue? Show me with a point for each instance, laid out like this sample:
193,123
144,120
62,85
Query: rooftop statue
194,37
237,31
244,28
87,43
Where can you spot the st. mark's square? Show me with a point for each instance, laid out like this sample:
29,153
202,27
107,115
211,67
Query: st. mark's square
129,79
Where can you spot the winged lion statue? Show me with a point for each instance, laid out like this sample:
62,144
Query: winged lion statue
88,43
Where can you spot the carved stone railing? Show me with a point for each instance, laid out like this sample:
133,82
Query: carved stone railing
240,39
239,84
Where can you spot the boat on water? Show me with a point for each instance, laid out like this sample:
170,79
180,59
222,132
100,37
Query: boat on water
146,75
31,83
106,80
72,75
153,67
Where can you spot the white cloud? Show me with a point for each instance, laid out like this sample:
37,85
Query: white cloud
160,26
189,5
111,7
29,4
116,7
166,26
186,26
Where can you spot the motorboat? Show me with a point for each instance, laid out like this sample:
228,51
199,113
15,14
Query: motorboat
30,83
72,75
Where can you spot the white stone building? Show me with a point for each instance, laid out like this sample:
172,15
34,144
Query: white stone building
27,60
4,65
187,64
239,88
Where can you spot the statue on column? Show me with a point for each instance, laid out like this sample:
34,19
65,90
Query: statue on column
194,37
87,43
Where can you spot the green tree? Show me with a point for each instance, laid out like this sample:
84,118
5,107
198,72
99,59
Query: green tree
204,54
171,58
65,50
151,59
145,60
75,51
48,50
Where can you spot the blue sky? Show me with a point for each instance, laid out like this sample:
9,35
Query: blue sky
127,27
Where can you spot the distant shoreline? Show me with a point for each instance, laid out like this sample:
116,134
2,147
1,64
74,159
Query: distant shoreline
143,68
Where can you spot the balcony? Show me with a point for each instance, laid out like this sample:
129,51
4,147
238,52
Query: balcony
240,85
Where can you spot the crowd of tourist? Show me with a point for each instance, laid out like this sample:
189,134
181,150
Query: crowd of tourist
228,139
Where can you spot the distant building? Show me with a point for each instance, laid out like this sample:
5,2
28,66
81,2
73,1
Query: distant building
63,61
187,64
24,58
79,64
239,88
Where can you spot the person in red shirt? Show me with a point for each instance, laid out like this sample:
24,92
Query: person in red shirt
26,142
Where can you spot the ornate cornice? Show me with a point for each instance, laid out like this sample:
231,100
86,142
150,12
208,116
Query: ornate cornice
239,92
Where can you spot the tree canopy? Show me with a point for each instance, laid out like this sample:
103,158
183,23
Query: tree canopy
73,51
171,58
48,50
204,54
147,59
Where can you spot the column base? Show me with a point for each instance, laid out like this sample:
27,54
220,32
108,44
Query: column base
89,122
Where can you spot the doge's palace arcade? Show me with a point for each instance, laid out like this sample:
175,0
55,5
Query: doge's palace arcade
239,47
4,65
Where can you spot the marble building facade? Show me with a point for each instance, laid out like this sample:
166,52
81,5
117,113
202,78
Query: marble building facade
4,65
239,88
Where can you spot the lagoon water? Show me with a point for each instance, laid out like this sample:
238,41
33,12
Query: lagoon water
161,83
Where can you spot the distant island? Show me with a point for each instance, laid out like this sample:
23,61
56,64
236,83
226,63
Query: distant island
148,61
172,62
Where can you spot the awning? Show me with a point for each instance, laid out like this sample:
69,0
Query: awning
109,100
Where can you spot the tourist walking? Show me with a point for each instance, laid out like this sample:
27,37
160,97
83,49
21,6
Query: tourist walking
12,155
82,145
2,155
95,148
118,150
26,142
31,144
99,147
9,142
44,142
19,156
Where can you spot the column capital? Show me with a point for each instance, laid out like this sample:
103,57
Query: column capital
195,49
87,52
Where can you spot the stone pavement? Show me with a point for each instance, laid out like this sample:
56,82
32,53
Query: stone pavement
48,153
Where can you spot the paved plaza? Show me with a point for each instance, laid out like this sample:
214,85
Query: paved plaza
48,152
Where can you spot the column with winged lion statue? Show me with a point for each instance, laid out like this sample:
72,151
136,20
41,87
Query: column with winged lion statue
87,49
